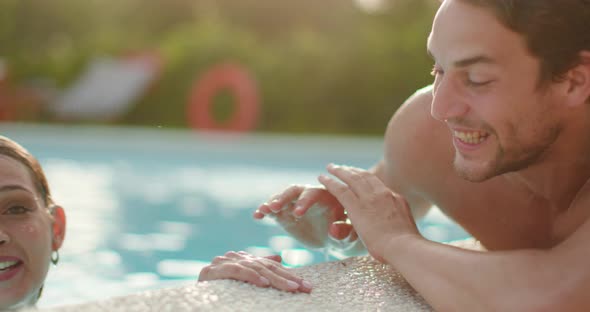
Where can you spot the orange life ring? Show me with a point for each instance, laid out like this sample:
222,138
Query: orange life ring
240,84
6,109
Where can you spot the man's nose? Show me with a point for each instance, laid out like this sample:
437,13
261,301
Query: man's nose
446,104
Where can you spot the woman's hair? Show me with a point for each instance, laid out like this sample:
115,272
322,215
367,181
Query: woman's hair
556,31
15,151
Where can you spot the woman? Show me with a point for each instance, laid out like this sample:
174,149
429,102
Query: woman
32,227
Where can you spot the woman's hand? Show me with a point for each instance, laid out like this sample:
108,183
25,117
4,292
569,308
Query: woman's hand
260,271
378,215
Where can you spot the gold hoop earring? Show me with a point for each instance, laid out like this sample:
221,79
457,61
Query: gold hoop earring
55,257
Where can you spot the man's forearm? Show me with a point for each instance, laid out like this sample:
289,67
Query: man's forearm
455,279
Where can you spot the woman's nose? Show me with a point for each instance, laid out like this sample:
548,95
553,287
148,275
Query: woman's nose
4,238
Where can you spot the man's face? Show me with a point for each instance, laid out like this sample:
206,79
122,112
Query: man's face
486,91
25,235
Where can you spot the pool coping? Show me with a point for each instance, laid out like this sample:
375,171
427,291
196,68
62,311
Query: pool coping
353,284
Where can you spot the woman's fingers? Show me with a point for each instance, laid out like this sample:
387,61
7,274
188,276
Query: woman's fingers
275,258
234,271
260,271
278,276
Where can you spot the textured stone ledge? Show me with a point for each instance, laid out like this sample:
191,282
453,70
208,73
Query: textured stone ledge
354,284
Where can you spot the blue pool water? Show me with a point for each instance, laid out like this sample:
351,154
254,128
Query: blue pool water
148,208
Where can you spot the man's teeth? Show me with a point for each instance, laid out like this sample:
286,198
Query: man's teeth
473,137
7,264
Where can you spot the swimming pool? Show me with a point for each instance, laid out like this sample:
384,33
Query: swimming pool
148,208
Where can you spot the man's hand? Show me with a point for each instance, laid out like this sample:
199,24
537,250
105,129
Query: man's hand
260,271
289,206
302,197
378,215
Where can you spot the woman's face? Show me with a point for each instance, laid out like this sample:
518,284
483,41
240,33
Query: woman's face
28,235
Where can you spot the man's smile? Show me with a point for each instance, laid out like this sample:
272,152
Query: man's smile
470,137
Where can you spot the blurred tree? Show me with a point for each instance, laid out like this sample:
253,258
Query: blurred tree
322,66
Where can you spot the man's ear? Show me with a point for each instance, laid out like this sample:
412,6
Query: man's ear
58,227
578,80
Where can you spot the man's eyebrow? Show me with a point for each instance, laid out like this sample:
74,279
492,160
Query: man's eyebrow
468,61
13,187
474,60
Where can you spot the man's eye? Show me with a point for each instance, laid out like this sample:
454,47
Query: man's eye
15,210
472,83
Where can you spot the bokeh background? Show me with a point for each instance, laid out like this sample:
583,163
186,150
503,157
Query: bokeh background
104,92
330,66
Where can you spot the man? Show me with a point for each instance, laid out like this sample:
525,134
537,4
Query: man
501,144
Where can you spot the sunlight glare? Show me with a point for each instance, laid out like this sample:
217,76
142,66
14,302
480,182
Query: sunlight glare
369,6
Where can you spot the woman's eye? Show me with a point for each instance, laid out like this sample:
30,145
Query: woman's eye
15,210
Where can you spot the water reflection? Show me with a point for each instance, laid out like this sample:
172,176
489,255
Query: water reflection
133,229
141,217
297,257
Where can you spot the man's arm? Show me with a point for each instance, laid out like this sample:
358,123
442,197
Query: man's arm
454,279
396,169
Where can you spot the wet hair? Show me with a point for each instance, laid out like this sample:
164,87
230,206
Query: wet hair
15,151
556,31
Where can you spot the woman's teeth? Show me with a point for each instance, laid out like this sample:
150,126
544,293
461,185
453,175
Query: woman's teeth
472,137
7,264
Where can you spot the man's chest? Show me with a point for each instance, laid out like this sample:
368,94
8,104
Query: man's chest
506,220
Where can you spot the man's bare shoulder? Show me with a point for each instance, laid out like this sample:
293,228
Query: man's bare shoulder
418,148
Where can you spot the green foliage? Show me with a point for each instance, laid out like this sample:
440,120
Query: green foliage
321,66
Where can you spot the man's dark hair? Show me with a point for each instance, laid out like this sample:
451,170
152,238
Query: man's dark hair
556,31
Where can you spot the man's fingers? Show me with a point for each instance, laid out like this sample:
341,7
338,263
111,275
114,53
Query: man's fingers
341,191
340,213
278,201
357,179
288,196
258,214
296,198
375,182
340,230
